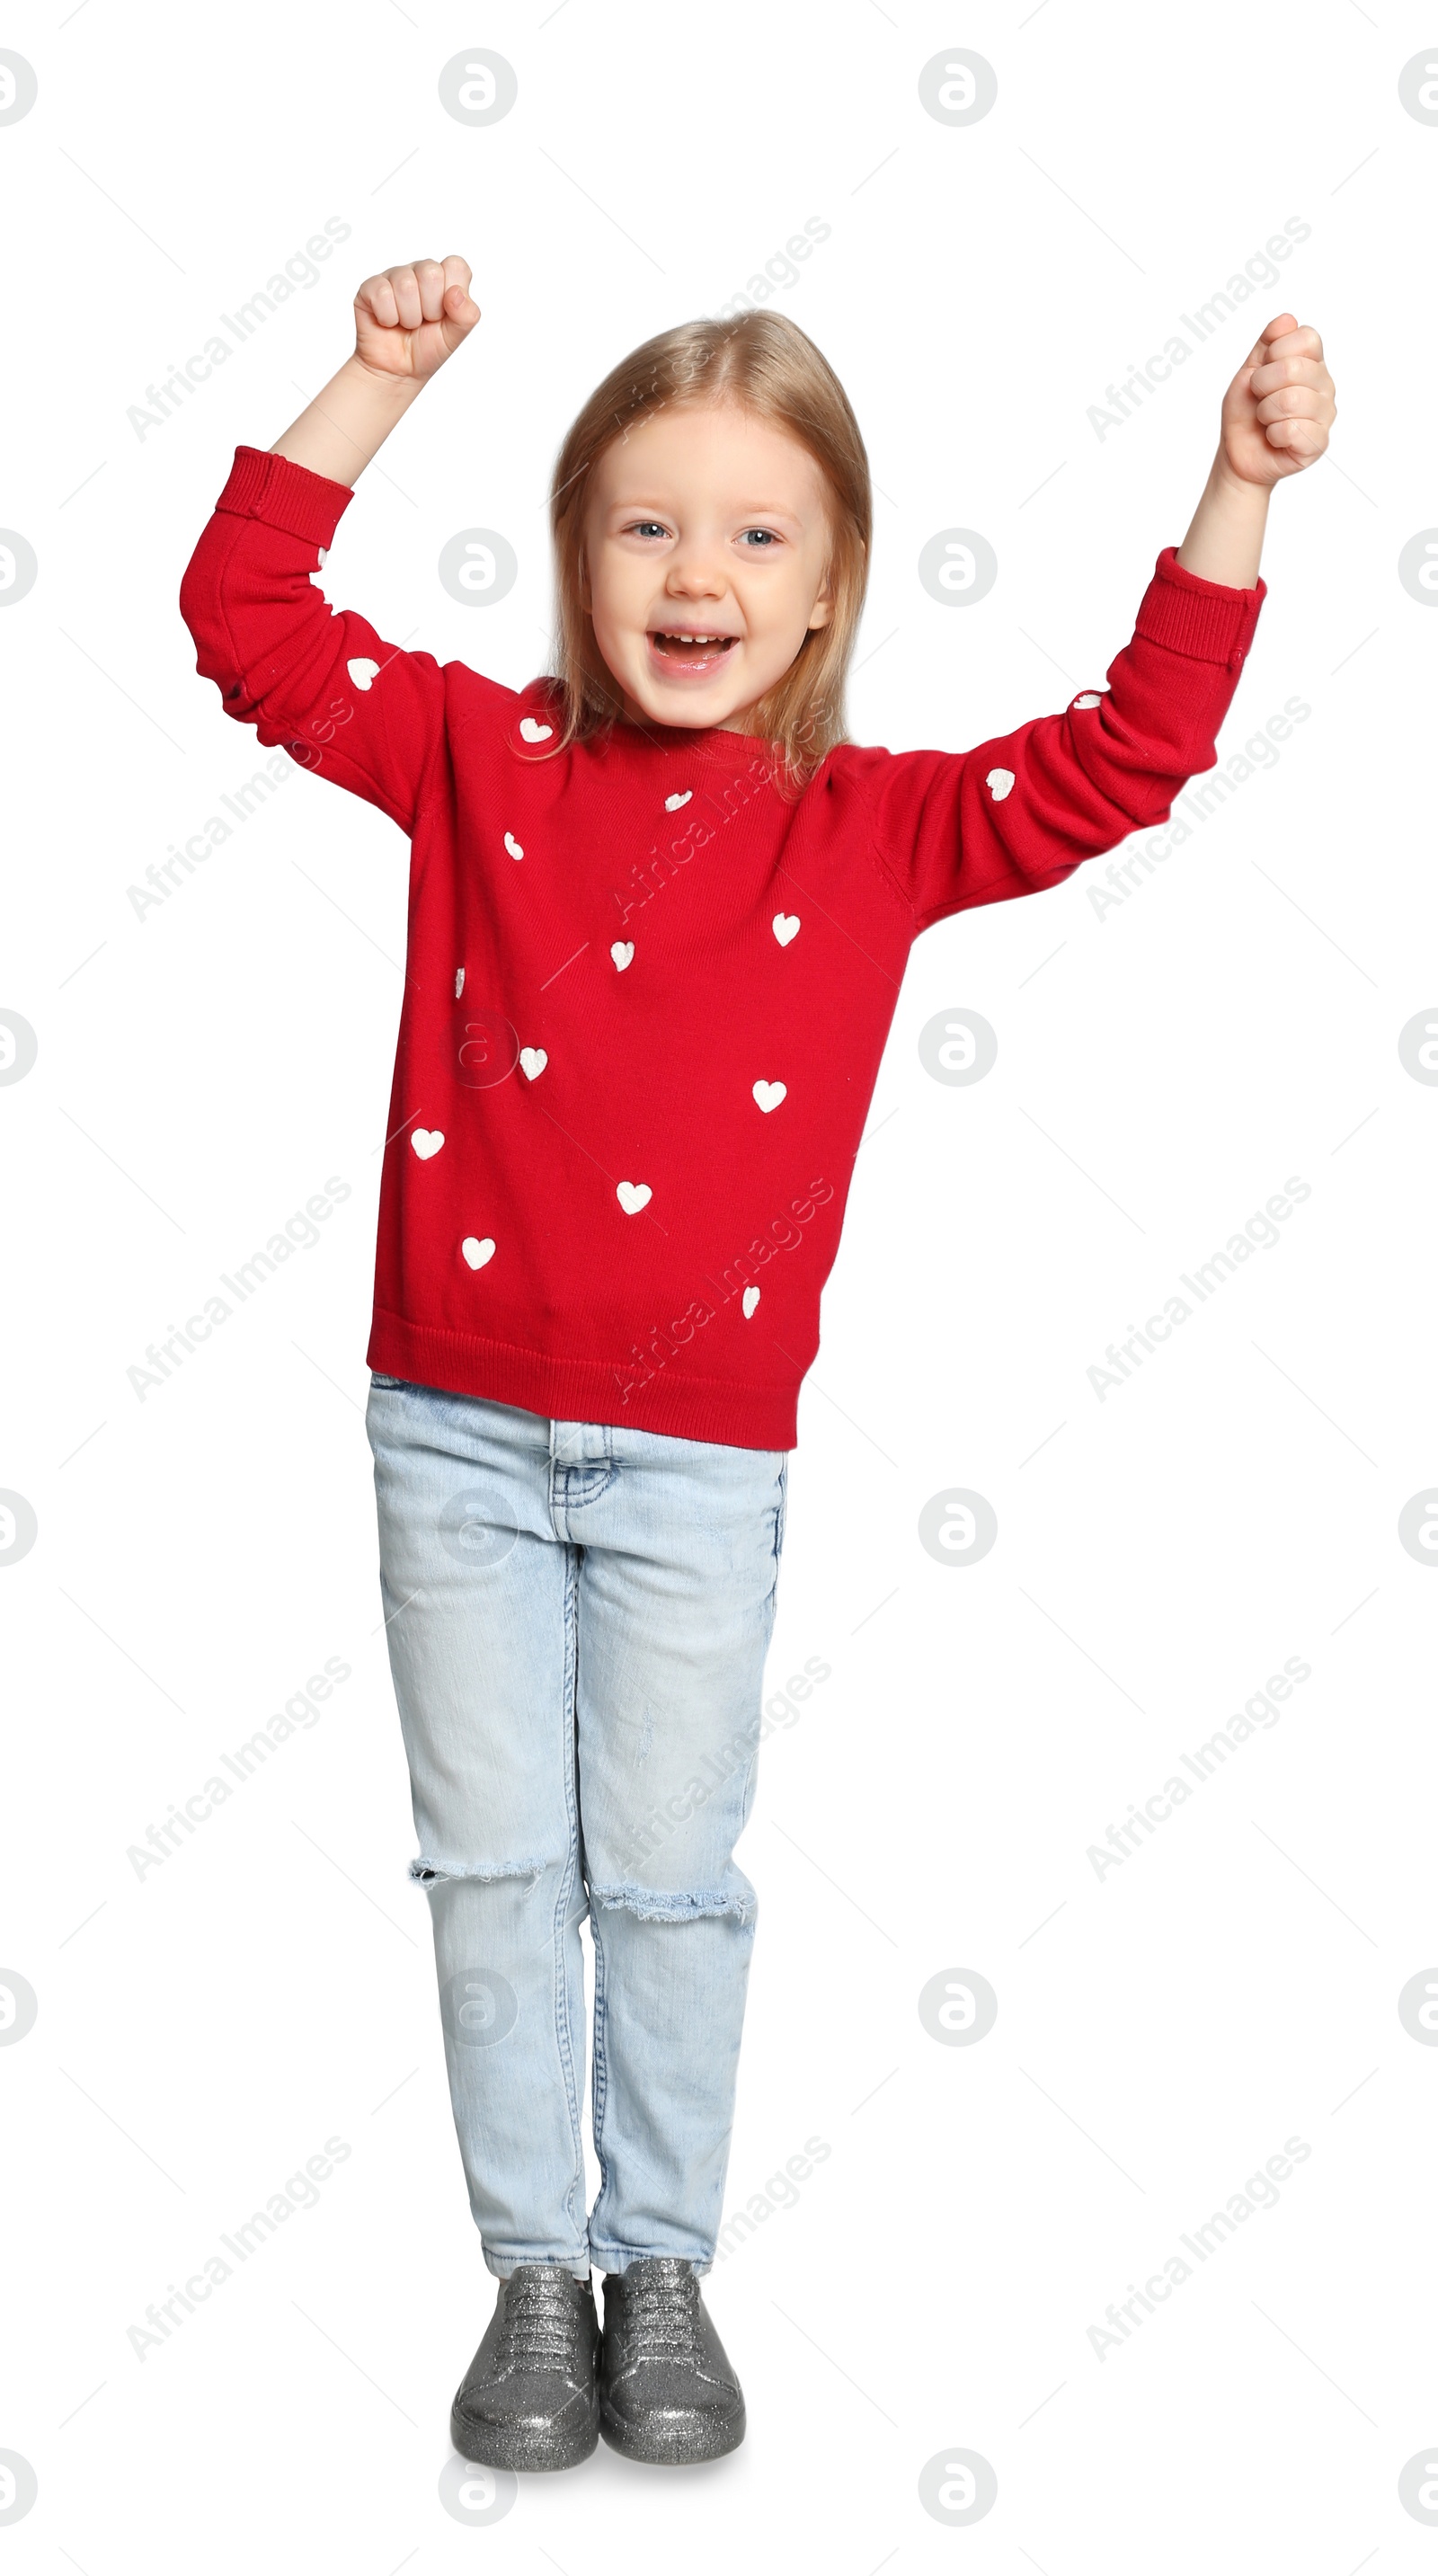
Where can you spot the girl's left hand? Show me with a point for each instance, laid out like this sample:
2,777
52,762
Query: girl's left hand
1279,408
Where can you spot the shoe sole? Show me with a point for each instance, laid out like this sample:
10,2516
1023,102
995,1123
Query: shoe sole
679,2450
494,2447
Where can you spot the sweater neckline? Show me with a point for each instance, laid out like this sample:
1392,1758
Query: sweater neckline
663,737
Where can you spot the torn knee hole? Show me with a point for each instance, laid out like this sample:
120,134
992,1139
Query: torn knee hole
670,1905
429,1872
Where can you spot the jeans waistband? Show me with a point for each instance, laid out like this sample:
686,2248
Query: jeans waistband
581,1444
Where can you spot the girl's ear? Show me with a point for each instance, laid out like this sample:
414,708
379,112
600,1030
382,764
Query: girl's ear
823,608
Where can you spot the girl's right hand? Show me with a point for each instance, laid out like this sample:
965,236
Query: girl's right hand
409,320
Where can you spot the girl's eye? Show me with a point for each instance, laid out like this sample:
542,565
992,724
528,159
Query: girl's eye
765,536
648,528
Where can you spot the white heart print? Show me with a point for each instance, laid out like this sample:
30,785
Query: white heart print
749,1301
998,783
622,953
673,803
785,927
477,1252
769,1094
426,1141
1090,698
533,1060
458,982
633,1195
512,846
532,732
363,672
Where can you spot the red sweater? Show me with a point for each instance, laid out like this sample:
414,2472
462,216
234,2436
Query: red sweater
646,997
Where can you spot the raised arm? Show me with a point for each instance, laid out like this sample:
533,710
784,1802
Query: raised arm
1019,813
320,683
407,322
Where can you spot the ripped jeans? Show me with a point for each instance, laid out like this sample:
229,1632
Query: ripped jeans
578,1615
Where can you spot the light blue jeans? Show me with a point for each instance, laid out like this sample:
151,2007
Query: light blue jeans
578,1616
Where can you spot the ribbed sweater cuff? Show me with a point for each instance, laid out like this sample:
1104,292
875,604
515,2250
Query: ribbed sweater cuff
285,495
1203,619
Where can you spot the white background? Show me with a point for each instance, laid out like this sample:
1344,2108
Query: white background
1162,1070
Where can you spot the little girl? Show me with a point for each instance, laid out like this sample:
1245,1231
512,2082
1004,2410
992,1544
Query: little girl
659,912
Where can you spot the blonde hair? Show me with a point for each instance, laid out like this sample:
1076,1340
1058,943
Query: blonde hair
769,367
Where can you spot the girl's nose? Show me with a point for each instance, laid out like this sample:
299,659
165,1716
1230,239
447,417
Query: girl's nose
696,573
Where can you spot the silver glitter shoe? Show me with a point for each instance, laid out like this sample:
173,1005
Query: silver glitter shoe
667,2390
528,2399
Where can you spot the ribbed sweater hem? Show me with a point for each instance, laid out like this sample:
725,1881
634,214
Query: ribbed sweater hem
1201,619
286,496
567,1390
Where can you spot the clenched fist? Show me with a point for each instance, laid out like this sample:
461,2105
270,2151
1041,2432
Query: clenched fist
409,320
1279,409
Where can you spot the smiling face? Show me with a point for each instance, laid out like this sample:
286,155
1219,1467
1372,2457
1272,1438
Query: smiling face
706,550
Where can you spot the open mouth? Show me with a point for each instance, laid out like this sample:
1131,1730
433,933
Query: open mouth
682,652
